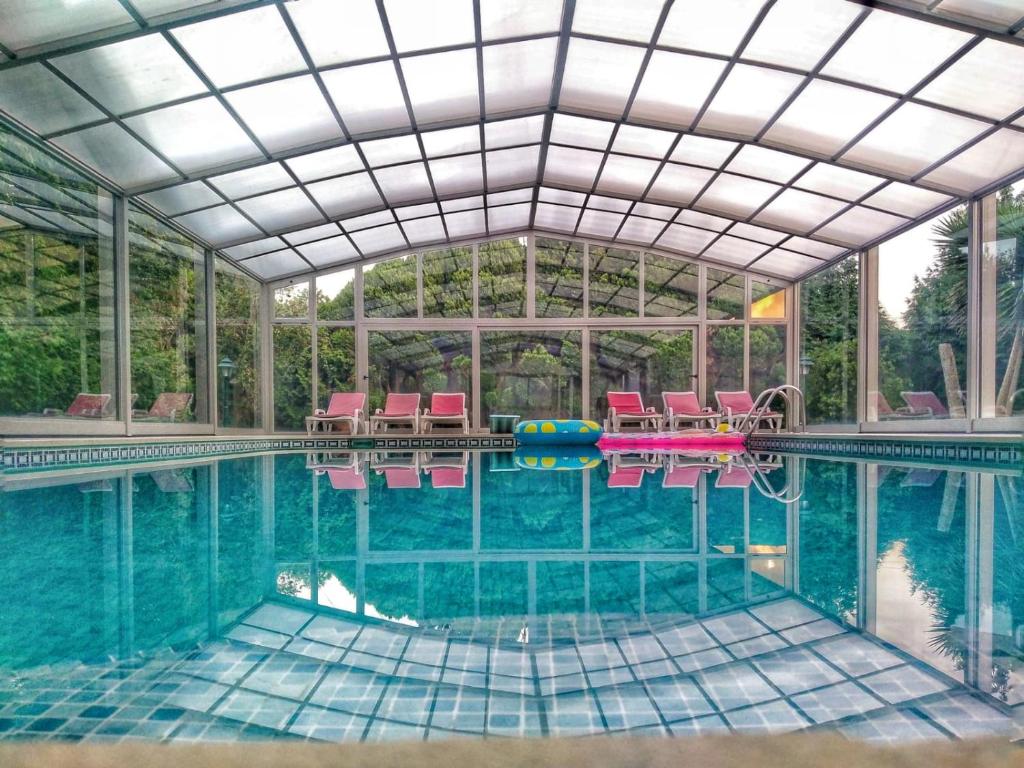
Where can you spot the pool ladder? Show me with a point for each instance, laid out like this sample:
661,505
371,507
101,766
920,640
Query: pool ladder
789,493
791,395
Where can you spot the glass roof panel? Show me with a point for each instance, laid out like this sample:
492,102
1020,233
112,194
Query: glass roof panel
515,18
633,140
518,75
506,133
115,154
195,135
826,116
524,195
426,230
346,195
858,225
799,211
285,209
999,12
906,200
183,197
451,141
327,162
685,239
132,74
610,18
988,80
662,212
398,149
736,195
415,211
368,97
797,33
703,220
312,233
275,264
732,250
465,223
254,248
306,120
152,9
747,99
558,217
675,87
637,229
417,25
336,32
508,217
599,76
812,247
700,25
762,235
457,175
462,203
39,99
222,224
404,183
679,183
241,47
442,86
609,203
599,223
839,182
380,239
785,263
253,181
698,150
367,220
580,131
767,163
512,166
624,175
911,138
332,251
893,51
991,159
564,196
34,22
573,167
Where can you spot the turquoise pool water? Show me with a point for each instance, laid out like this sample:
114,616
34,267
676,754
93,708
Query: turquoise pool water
430,595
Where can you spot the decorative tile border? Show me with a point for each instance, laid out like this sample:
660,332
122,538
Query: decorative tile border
959,451
28,459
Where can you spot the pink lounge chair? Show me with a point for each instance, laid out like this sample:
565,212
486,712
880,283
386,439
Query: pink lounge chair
925,404
84,406
401,477
683,408
628,408
626,477
687,476
343,408
399,409
736,405
447,477
346,478
734,477
446,408
168,406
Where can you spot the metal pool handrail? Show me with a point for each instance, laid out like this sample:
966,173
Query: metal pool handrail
763,403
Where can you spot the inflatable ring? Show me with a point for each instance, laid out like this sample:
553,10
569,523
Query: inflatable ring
558,432
557,458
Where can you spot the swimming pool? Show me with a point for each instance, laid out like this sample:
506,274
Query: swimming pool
419,595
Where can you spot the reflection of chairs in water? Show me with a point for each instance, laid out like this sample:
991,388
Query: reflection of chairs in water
343,470
446,470
172,480
683,475
400,470
924,405
734,475
627,470
920,478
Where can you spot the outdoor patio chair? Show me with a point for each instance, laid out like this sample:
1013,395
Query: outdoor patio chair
627,408
168,406
447,408
343,408
736,405
925,404
84,406
685,408
399,409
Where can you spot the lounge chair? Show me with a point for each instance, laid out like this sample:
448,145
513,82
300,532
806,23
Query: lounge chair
343,408
684,408
399,409
683,475
400,470
627,408
886,412
734,476
84,406
345,478
446,408
446,470
168,406
736,405
626,477
926,404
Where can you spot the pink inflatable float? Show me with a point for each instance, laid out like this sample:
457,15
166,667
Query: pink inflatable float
687,439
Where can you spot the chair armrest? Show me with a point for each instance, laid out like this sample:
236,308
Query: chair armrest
650,409
357,413
319,412
379,412
707,409
52,412
426,411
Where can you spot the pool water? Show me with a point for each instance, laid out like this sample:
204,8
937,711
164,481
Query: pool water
363,596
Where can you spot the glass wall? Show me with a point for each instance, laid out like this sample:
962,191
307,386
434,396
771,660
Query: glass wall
724,359
767,357
648,362
614,282
390,288
448,282
559,278
57,350
238,348
670,287
167,312
293,357
502,278
532,373
419,361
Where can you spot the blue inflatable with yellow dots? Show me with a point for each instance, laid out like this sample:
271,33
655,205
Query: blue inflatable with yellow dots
558,432
557,458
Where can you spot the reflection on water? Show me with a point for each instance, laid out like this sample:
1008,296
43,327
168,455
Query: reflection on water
494,551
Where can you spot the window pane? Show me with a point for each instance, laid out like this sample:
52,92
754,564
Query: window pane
614,282
533,374
559,267
389,288
648,362
293,362
502,278
767,358
922,325
767,301
725,295
725,359
335,296
56,288
419,361
336,362
167,287
448,282
292,301
670,287
238,370
829,316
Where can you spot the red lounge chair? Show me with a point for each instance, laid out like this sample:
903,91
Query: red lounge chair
447,477
686,476
346,478
626,477
683,408
84,406
731,476
628,408
398,409
446,408
736,405
925,404
887,412
168,406
343,408
402,477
